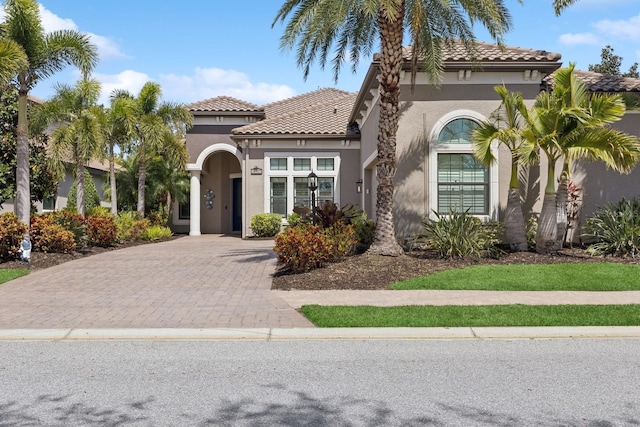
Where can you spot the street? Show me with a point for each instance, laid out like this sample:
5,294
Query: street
584,382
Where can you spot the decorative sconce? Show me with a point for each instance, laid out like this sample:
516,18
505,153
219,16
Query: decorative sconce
208,198
312,181
359,186
256,171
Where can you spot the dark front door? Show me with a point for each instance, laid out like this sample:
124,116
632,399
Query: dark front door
236,210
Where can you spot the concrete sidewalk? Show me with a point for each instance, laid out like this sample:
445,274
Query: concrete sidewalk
219,287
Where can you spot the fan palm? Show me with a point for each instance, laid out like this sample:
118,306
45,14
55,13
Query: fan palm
504,126
46,54
349,28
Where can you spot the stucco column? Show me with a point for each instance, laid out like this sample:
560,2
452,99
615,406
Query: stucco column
194,200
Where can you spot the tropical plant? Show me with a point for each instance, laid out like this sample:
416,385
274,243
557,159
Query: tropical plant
266,224
78,134
560,5
12,60
504,126
159,128
349,28
101,228
46,54
569,123
156,232
11,232
303,248
616,228
91,197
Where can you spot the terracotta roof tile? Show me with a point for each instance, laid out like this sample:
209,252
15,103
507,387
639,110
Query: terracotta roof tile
224,103
490,52
607,83
330,117
301,102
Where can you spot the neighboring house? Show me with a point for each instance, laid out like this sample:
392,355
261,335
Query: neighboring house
256,159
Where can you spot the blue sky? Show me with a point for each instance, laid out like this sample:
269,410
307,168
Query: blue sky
198,49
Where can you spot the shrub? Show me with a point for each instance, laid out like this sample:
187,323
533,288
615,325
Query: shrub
294,219
73,222
101,229
38,223
327,214
616,228
158,218
266,224
343,240
11,232
54,238
455,235
130,226
303,248
365,230
156,232
91,198
532,229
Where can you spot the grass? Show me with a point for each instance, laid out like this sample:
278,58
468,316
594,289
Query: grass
10,274
484,315
532,277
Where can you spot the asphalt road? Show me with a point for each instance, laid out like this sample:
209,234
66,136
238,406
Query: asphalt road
585,382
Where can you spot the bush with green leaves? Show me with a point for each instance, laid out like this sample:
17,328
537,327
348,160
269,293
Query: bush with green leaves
91,198
11,232
73,222
130,226
365,230
156,232
616,229
54,238
303,247
459,234
101,228
266,224
343,240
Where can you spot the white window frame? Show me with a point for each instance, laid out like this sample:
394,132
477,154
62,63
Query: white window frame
435,148
289,174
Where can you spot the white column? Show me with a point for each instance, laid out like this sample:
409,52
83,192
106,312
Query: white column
194,199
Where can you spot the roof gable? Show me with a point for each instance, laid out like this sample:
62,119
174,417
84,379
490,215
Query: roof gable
224,104
300,102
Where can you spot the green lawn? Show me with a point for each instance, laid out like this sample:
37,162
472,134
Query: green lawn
9,274
532,277
486,315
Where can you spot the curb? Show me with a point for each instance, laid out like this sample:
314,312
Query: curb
277,334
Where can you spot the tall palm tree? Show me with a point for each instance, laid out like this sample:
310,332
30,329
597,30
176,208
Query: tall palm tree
12,60
569,123
46,54
560,5
78,133
349,28
160,128
504,126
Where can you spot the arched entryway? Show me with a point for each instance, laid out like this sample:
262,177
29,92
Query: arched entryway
216,191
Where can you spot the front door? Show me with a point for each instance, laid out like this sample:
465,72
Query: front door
236,204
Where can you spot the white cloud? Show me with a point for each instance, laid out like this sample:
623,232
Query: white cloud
210,82
129,80
52,22
570,39
625,29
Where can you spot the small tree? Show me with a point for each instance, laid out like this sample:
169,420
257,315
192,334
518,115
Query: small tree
91,197
610,64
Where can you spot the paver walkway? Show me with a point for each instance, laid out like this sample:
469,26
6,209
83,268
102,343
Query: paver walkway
209,281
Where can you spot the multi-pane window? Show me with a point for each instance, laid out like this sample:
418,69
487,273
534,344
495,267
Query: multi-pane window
325,164
278,164
302,165
325,190
49,204
302,196
278,197
184,210
463,184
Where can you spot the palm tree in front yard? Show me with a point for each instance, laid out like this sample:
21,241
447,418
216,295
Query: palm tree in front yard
12,60
46,54
349,28
504,126
569,123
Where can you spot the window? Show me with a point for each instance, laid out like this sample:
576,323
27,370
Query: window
287,176
458,181
184,210
49,204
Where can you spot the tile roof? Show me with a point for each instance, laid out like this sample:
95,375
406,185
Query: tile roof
490,53
224,103
329,117
301,102
597,82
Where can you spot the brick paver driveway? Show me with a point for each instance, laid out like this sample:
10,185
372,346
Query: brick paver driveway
208,281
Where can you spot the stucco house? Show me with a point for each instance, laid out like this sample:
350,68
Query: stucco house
248,159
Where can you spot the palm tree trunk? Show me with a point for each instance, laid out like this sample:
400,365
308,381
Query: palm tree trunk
546,235
80,188
514,219
385,242
168,205
23,191
562,195
142,171
112,182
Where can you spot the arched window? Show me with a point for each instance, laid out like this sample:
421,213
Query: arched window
458,181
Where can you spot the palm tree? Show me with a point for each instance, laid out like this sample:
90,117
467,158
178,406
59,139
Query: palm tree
160,128
78,134
350,28
12,60
569,123
560,5
504,126
46,54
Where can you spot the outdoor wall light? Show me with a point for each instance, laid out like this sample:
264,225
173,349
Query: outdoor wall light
312,182
359,186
